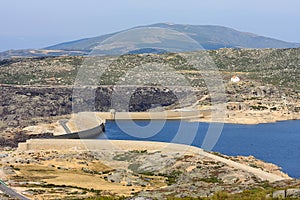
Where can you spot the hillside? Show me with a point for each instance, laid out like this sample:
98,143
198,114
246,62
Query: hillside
278,67
155,38
38,89
38,92
208,36
144,169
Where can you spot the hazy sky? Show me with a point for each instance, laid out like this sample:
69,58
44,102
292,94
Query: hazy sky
40,23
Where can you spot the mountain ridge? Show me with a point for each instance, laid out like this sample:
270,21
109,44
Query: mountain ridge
211,37
206,37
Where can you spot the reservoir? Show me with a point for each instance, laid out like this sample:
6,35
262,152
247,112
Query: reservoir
277,143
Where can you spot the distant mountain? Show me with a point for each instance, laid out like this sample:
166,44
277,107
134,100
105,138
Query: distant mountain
39,53
157,38
208,36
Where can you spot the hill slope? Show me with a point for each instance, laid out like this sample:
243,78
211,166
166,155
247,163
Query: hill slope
208,36
156,38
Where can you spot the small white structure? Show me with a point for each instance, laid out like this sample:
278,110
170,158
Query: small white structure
235,79
112,114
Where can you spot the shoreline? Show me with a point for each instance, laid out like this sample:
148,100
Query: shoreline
248,121
88,120
243,118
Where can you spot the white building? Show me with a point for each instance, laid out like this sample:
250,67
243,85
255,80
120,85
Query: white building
235,79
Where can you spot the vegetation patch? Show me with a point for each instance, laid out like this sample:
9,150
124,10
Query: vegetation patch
211,180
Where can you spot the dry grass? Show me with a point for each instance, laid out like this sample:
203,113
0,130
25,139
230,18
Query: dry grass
54,172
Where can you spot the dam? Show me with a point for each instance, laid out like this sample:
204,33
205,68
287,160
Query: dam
91,124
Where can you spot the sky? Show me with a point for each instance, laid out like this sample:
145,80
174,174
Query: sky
39,23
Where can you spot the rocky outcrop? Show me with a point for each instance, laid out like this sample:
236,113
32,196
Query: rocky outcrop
145,169
41,88
20,104
288,193
15,137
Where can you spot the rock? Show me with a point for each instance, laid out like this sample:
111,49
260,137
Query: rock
182,195
3,155
295,193
115,178
86,170
1,110
279,194
8,170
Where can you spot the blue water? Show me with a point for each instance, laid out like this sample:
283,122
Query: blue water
278,143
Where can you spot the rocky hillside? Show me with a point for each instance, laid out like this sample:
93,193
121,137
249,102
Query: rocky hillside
152,174
43,90
278,67
35,88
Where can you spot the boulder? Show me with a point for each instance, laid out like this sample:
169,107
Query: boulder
294,193
279,194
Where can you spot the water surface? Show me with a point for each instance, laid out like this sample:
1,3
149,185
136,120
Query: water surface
278,143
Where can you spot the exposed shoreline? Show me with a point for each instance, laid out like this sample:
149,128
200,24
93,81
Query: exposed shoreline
88,120
251,118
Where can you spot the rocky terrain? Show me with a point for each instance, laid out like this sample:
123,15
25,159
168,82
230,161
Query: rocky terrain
66,174
278,67
36,90
44,90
